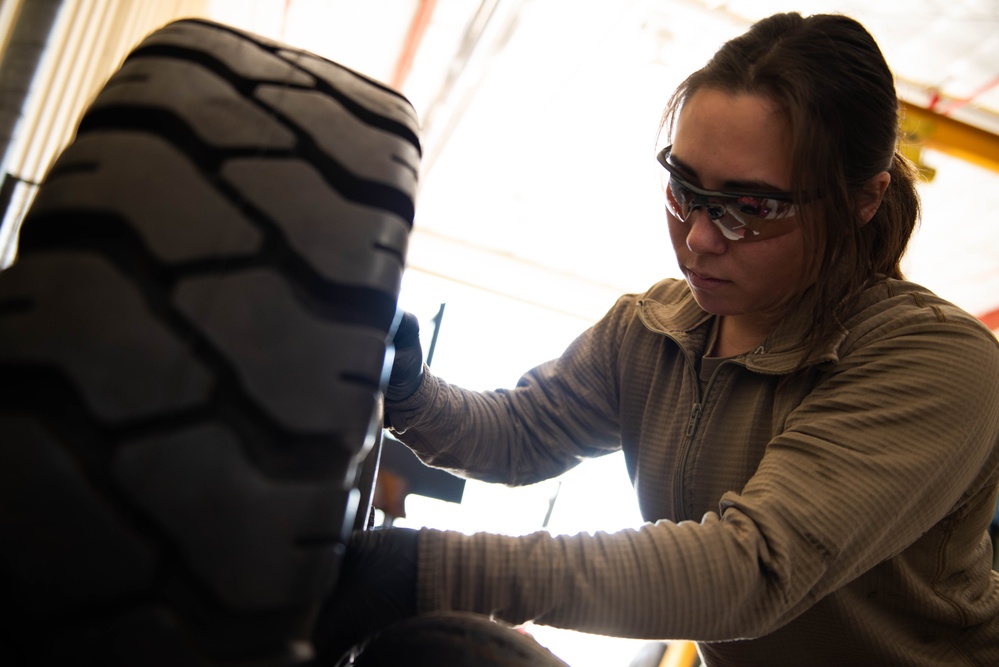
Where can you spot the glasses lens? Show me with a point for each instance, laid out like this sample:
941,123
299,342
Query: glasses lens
678,198
749,209
750,218
738,216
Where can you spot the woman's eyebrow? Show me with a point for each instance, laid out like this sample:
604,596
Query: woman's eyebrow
682,165
762,186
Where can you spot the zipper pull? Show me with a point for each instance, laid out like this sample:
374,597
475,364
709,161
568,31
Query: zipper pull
695,416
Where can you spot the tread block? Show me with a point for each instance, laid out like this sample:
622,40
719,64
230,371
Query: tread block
344,242
257,543
214,108
63,543
240,52
372,153
285,356
369,94
90,320
151,635
146,181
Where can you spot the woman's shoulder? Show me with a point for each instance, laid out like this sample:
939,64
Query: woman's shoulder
901,306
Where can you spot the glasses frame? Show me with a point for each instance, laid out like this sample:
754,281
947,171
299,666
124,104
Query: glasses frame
702,197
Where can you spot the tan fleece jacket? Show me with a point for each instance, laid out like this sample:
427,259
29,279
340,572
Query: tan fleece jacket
831,516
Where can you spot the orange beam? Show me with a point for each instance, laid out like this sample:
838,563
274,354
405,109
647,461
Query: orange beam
421,19
991,319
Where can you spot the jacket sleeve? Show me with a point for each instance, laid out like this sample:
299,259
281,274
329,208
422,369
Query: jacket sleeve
899,444
896,440
558,414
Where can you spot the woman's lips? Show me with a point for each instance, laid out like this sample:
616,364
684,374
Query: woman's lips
704,282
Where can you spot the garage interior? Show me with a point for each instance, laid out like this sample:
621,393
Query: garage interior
540,199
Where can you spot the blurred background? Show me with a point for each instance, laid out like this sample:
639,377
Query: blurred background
540,200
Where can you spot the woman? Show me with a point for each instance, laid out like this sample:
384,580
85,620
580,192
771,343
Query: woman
813,441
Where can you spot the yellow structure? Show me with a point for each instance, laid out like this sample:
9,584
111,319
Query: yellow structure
947,135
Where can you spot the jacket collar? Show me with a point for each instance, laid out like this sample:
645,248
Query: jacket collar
669,308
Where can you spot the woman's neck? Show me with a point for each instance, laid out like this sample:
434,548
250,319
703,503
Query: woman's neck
737,335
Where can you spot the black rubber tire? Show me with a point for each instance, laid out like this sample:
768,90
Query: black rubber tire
454,640
192,346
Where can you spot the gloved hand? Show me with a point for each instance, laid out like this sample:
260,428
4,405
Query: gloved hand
407,368
376,588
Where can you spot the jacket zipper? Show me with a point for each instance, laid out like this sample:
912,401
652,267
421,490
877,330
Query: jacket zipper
695,417
693,421
688,441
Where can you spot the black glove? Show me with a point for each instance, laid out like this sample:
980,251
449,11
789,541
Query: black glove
376,588
407,368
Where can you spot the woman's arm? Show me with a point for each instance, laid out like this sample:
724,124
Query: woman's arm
558,414
900,436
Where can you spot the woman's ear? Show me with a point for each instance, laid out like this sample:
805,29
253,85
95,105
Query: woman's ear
870,198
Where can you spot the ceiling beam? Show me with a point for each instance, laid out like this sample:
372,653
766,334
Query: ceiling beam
417,29
947,135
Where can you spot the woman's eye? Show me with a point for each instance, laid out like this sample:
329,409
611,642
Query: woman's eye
753,206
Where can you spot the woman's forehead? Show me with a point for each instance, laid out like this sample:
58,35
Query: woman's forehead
722,138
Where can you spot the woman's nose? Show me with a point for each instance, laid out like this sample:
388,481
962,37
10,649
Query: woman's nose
703,235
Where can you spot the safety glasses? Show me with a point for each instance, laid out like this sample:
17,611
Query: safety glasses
741,216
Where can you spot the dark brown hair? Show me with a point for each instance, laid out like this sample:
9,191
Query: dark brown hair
826,74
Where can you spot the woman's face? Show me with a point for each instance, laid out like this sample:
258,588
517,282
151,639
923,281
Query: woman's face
736,142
